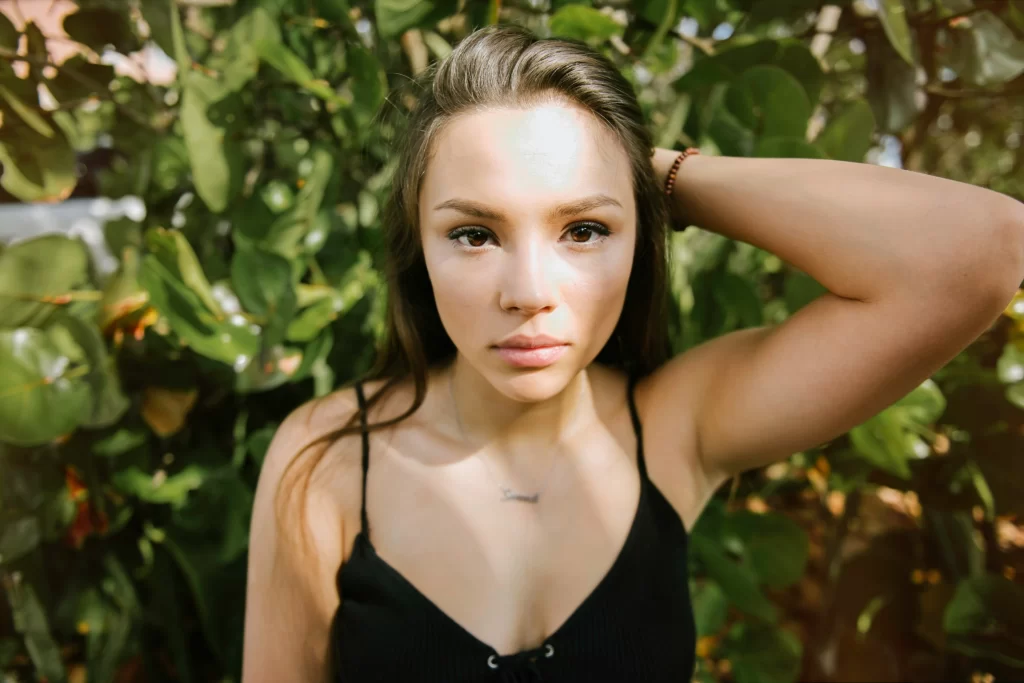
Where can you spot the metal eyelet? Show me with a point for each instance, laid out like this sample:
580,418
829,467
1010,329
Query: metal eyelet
490,663
551,650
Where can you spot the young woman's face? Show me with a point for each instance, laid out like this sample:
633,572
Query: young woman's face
507,251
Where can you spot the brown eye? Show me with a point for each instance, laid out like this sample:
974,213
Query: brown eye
476,238
582,230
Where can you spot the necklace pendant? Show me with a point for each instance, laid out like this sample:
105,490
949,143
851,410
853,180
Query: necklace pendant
507,494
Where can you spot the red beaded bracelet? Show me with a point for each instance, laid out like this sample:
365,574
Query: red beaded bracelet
671,180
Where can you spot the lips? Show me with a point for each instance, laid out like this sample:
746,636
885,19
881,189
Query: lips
522,341
535,357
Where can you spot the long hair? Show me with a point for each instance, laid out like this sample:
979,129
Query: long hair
507,66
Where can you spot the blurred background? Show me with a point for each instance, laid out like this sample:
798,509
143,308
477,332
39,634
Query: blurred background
189,249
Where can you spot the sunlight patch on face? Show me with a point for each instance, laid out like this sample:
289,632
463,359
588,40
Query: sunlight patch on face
526,160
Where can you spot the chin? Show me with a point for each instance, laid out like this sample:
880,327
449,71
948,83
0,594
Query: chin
530,385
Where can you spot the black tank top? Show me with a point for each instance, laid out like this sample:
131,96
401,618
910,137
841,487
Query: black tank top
637,625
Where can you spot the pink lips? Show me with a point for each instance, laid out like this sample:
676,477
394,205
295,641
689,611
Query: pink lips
536,357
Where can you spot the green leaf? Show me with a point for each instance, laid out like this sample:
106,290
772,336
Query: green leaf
882,442
30,621
369,83
38,170
737,581
710,608
157,14
175,252
108,401
924,405
123,440
982,604
162,489
1010,367
9,647
308,324
893,16
1015,394
668,19
99,27
437,44
286,234
18,536
292,67
43,394
764,654
775,545
180,52
586,24
278,196
77,78
796,58
234,344
37,122
848,134
216,161
263,282
46,266
394,17
988,53
891,86
781,105
8,34
240,61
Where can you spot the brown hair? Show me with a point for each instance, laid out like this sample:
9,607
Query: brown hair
507,66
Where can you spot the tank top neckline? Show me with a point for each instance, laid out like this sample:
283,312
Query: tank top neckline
364,546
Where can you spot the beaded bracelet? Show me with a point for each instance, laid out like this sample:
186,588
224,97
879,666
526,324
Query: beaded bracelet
671,180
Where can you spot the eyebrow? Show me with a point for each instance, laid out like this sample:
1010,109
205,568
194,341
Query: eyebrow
575,207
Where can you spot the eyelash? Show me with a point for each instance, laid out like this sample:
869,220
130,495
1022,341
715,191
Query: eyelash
596,228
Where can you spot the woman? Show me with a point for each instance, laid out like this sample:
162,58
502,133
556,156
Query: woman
479,511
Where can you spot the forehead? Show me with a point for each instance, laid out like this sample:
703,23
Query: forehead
548,151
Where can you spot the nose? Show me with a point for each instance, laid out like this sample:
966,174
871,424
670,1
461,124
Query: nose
530,280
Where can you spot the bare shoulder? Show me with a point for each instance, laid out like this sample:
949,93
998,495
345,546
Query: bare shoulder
307,490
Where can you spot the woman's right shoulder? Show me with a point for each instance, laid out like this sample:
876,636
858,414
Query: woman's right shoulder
310,429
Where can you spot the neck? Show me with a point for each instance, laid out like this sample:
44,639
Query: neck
525,417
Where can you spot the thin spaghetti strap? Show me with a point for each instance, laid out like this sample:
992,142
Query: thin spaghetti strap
637,427
366,454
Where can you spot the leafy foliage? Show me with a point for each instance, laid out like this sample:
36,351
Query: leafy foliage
136,408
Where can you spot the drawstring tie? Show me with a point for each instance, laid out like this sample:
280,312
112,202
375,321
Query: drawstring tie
521,667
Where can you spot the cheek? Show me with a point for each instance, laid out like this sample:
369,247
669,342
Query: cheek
596,295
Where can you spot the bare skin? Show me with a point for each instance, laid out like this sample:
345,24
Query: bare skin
511,573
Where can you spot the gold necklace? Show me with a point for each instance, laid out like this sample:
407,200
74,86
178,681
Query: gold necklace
506,492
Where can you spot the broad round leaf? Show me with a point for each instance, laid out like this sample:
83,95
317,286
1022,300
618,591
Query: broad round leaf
982,602
42,172
30,271
774,544
848,135
43,392
783,107
108,401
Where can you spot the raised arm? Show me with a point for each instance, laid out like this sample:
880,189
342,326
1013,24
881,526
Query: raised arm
917,267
